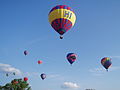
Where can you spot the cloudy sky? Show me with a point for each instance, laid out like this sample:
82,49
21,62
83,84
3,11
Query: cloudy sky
24,26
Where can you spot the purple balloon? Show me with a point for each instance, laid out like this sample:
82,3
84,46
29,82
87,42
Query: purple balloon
25,52
43,76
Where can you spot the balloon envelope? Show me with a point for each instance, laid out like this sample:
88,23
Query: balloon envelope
25,78
71,57
62,18
106,62
43,76
7,74
25,52
39,62
13,73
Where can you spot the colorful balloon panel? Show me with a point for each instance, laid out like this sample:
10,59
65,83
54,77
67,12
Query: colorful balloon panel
106,62
71,57
62,18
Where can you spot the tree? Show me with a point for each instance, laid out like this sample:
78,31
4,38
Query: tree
16,84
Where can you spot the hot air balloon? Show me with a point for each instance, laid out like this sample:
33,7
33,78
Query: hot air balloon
25,52
39,62
25,78
62,18
7,74
13,73
43,76
106,62
71,57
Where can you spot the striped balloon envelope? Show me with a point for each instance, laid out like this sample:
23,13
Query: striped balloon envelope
71,57
106,62
62,18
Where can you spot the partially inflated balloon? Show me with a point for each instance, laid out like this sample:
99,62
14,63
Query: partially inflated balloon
43,76
71,57
62,18
106,62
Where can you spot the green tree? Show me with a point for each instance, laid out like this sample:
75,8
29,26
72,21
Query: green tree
16,84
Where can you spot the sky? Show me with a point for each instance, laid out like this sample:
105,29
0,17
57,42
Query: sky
24,25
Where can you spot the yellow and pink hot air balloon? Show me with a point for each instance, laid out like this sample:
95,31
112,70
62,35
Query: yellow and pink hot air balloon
62,18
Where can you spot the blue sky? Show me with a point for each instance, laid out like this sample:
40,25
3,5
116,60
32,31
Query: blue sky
24,26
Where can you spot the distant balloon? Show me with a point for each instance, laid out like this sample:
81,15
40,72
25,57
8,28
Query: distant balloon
7,74
25,52
43,76
39,62
71,57
106,62
25,78
13,73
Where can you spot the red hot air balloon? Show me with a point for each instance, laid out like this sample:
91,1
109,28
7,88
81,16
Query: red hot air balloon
25,52
25,78
39,62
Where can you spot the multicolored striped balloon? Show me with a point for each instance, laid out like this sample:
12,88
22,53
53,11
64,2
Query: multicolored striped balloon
106,62
62,18
71,57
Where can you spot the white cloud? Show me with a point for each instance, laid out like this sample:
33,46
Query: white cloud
97,71
101,71
118,57
113,68
6,68
32,74
70,85
53,76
